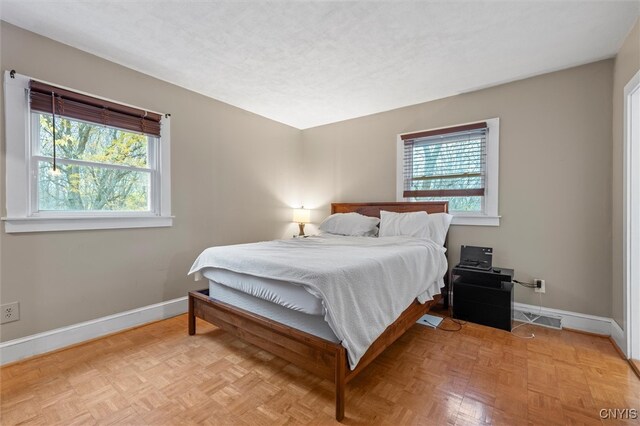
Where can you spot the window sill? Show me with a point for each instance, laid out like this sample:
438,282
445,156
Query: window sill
479,220
47,224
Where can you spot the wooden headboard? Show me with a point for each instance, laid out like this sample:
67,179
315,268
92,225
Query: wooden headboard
373,209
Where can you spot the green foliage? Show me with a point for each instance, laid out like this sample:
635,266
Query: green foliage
91,187
449,166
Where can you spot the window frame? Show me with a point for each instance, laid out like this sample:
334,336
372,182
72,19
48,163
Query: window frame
21,176
490,216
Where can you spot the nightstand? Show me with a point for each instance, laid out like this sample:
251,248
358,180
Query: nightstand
483,297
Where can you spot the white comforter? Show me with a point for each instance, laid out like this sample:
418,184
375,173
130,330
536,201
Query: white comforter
365,283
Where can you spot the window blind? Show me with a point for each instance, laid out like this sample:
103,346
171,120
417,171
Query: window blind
447,162
71,104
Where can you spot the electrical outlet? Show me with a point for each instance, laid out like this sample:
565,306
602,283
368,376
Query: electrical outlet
541,286
10,312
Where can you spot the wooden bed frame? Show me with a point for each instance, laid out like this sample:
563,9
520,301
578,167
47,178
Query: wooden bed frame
322,357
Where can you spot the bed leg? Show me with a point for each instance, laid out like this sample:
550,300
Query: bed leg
341,365
192,317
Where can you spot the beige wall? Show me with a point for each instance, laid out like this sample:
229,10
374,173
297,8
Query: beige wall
233,180
235,175
627,64
555,176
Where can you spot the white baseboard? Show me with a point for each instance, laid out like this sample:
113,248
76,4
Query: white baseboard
573,320
619,336
24,347
36,344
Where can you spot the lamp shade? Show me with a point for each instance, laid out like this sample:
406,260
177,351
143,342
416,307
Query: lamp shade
301,215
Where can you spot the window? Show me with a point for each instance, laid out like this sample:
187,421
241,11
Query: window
98,168
458,164
75,161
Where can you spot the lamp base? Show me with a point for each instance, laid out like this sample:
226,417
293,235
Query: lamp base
301,225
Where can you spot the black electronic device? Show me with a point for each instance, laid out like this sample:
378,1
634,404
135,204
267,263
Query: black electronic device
479,258
484,305
483,297
491,278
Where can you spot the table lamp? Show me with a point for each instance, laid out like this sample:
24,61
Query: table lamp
301,216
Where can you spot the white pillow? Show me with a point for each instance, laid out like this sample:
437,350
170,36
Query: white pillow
415,224
350,224
439,226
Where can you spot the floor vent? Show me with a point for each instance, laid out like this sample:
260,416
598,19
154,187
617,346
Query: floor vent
549,321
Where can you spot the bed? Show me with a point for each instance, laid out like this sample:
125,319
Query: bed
293,331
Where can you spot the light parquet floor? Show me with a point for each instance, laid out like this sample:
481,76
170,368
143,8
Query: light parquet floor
157,374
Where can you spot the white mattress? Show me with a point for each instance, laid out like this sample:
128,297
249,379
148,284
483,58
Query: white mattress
289,295
364,283
312,324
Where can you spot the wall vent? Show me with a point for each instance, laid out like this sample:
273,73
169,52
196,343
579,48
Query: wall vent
543,320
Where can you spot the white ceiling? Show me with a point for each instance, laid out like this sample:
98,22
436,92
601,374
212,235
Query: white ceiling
311,63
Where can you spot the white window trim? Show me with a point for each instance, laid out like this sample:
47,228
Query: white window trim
490,217
631,220
18,188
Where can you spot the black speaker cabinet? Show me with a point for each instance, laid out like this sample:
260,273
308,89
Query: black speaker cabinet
491,278
486,305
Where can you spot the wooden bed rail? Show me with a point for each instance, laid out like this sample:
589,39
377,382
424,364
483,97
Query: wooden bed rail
323,358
